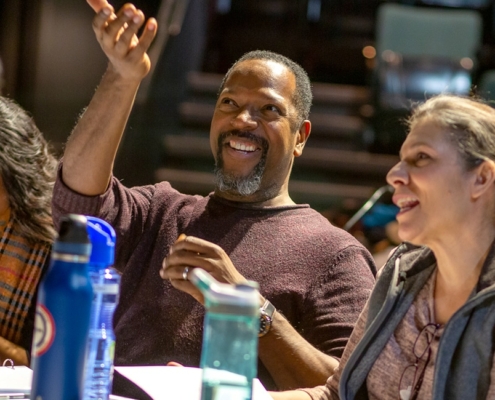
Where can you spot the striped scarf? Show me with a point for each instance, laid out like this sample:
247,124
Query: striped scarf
21,265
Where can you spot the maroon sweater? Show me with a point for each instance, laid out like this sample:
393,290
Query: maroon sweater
318,276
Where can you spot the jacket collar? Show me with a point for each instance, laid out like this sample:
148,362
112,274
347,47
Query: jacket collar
411,259
487,277
415,259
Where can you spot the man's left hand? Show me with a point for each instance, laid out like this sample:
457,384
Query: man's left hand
192,252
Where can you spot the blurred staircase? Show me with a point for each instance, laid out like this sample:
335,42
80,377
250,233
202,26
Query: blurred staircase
169,133
334,167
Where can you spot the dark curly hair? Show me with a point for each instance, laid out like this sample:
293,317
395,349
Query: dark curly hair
303,95
28,171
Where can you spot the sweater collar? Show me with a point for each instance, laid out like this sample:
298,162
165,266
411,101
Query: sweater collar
254,207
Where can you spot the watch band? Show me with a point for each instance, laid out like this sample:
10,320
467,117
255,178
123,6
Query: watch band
266,317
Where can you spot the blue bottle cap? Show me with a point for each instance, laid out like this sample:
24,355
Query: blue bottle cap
102,237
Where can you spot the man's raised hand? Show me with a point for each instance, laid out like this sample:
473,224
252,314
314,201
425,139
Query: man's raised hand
117,35
97,5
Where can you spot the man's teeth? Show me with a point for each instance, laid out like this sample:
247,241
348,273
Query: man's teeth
241,146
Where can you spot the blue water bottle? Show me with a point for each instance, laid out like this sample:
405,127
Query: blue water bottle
229,355
62,316
106,282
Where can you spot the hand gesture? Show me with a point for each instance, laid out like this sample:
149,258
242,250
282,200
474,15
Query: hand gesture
191,252
117,35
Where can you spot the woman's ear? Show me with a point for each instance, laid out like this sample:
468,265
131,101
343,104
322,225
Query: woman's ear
302,137
484,178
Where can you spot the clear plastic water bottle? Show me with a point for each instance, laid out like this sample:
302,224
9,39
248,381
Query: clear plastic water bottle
229,355
106,282
62,316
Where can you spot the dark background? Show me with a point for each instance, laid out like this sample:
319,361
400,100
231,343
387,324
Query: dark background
52,64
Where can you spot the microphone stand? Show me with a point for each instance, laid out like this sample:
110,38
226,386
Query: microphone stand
366,206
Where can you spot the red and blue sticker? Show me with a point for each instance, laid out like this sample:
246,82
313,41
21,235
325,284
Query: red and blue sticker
44,331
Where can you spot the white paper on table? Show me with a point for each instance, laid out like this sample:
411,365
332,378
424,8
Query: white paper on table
15,379
176,383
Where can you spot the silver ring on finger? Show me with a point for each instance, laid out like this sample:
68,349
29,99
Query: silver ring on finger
184,274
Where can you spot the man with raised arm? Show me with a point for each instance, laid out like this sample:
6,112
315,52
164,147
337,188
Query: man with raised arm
314,278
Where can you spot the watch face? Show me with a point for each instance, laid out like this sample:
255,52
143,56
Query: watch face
266,315
265,324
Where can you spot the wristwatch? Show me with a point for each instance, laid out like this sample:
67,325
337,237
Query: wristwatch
266,317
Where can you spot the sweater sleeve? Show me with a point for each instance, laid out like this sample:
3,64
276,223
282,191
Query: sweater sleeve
330,391
335,304
123,208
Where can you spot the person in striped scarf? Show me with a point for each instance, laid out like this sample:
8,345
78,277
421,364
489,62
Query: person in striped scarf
27,175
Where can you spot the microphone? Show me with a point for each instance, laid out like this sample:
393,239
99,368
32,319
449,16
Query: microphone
366,206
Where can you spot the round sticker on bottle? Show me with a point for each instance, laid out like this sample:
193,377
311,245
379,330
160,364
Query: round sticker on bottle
44,331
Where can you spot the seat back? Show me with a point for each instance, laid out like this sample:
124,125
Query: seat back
473,4
403,80
486,86
421,52
424,31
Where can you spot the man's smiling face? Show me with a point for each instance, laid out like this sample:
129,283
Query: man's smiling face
252,135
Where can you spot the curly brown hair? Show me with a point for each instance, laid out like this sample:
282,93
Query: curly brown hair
28,170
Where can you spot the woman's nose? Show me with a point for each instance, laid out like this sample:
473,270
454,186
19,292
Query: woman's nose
397,175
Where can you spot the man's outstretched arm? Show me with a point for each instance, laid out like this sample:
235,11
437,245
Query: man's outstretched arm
91,149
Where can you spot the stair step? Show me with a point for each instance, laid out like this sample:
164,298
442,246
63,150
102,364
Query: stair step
345,160
336,126
315,157
195,182
204,82
332,93
326,125
323,93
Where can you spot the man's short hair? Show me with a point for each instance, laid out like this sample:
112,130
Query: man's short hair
303,95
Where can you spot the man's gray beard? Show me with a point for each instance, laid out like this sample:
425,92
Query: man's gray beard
239,185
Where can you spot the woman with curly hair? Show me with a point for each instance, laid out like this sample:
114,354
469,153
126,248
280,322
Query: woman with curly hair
27,175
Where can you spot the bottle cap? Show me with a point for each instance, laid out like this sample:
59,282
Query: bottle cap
72,236
223,297
102,237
